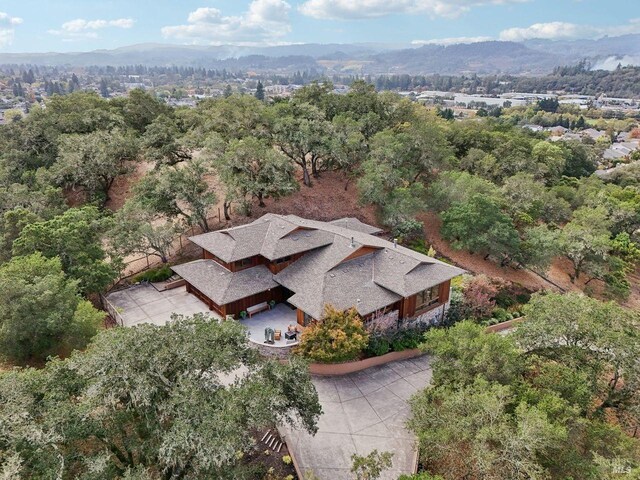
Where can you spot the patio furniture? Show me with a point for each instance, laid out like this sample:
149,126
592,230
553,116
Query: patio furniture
257,308
290,335
268,335
277,334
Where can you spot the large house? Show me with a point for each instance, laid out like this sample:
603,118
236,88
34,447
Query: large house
310,264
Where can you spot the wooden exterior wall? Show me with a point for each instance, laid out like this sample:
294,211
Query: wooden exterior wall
234,308
210,256
255,261
278,267
360,252
210,303
408,305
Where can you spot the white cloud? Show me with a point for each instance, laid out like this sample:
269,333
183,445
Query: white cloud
359,9
265,21
81,29
567,31
451,40
7,28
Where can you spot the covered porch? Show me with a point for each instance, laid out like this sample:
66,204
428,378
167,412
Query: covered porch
278,318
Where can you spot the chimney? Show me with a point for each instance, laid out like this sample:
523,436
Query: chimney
395,243
352,244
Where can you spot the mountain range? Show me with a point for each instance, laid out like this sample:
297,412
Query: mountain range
492,57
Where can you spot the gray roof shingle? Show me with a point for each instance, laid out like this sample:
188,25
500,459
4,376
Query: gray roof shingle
223,286
325,274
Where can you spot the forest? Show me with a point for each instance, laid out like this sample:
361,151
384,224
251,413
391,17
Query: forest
498,190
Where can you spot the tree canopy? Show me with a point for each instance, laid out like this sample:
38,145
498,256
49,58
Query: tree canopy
150,402
42,312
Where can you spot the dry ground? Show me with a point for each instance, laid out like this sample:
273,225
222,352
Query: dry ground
327,199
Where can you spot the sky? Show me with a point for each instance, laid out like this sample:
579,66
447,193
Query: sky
83,25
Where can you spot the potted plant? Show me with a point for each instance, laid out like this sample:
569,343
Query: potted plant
272,303
243,314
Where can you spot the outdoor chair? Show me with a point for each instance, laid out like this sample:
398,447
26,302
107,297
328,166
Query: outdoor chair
277,335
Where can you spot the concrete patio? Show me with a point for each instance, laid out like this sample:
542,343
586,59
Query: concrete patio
278,318
362,411
144,304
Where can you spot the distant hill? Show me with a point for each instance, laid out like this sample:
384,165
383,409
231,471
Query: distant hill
480,58
532,57
604,47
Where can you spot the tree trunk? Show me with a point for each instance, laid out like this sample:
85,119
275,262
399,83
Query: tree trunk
306,179
226,207
314,166
204,224
577,269
260,200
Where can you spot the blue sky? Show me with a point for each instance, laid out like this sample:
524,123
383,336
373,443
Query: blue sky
80,25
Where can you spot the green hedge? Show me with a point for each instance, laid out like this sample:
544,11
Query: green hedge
154,275
397,341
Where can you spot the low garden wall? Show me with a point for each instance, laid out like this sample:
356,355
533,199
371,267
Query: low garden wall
499,327
329,369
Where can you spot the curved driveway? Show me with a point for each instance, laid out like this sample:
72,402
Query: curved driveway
363,411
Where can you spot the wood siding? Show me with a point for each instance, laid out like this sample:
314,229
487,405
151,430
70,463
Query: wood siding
408,305
278,267
210,303
360,252
234,308
254,262
210,256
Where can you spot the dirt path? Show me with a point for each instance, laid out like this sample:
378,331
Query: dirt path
475,263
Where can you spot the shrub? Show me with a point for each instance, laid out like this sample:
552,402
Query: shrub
501,315
286,460
479,294
456,311
421,247
154,275
408,231
339,336
406,339
378,346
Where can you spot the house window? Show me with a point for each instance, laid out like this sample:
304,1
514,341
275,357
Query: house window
245,262
428,297
307,319
283,260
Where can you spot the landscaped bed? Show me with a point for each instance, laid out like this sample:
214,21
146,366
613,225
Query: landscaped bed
269,459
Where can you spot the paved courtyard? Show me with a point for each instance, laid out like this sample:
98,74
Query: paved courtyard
363,411
278,318
144,304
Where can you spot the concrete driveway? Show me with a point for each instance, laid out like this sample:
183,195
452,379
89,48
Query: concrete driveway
144,304
363,411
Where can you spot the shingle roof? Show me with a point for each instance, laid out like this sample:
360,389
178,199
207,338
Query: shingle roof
223,286
271,236
325,274
353,223
348,284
